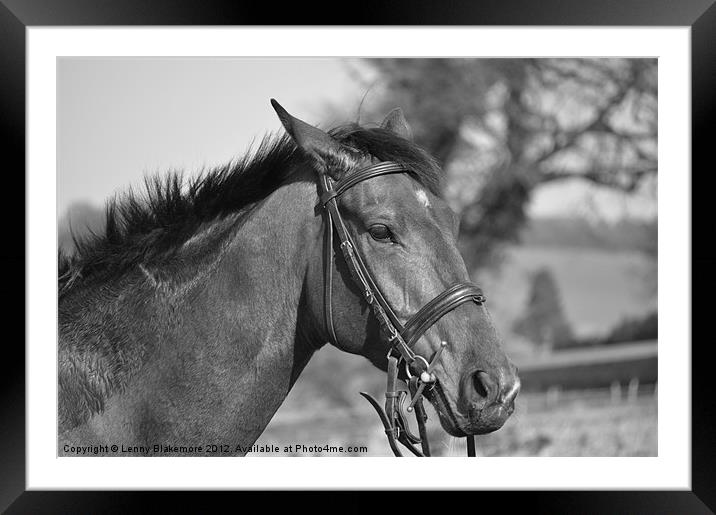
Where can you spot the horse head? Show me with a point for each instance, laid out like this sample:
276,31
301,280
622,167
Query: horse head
403,249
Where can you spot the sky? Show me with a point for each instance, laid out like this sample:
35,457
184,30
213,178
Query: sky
122,118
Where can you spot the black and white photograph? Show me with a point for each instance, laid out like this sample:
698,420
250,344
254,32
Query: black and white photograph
357,257
275,253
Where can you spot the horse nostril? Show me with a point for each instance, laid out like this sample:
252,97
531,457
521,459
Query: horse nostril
484,385
477,384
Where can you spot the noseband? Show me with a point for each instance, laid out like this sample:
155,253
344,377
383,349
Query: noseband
418,371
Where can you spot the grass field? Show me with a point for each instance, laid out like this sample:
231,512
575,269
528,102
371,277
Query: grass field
583,424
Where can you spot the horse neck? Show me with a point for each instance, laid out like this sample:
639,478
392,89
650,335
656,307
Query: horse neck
223,319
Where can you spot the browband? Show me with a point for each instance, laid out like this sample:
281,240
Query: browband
346,183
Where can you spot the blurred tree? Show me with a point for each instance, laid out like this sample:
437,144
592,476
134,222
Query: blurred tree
502,127
544,322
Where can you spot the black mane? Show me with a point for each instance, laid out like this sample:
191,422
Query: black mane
142,226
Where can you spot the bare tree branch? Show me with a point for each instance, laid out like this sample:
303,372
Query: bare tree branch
598,124
626,179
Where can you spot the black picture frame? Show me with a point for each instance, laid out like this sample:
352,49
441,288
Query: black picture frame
17,15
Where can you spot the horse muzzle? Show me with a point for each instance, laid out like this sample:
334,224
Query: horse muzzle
488,399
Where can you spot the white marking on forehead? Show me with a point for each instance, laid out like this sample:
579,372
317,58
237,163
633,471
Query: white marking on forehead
423,197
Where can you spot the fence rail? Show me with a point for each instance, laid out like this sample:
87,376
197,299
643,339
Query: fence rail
591,368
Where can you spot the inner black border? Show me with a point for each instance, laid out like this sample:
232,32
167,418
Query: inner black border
17,15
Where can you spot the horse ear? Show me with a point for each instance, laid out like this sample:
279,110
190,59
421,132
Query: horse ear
395,121
328,153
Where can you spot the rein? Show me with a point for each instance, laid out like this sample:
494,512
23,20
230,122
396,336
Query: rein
403,395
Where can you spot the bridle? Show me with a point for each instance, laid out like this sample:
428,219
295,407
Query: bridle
419,373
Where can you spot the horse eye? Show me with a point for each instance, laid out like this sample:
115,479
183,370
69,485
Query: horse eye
380,232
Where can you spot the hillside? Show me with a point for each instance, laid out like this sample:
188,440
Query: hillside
625,235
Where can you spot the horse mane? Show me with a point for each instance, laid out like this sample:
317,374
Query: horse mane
144,226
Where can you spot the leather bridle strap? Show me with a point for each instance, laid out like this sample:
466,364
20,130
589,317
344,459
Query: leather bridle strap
437,308
368,172
328,195
387,319
328,278
400,337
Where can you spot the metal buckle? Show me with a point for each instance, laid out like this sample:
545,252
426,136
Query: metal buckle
427,377
417,357
392,337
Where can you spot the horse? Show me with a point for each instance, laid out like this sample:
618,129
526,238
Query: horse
189,318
